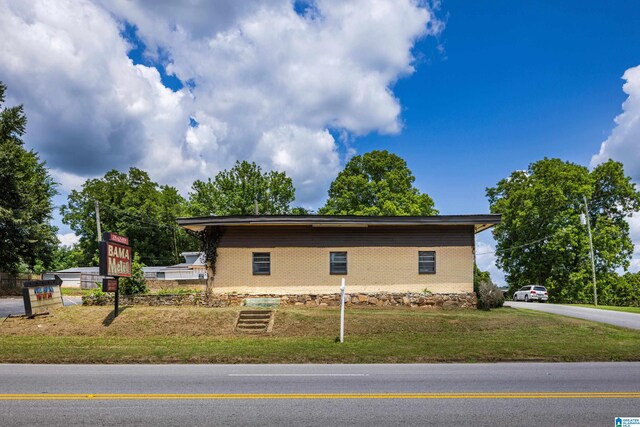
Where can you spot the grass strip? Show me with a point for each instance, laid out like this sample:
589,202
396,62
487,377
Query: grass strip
205,335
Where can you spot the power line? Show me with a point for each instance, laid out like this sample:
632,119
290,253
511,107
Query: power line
517,247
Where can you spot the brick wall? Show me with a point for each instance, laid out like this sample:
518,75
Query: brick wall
370,269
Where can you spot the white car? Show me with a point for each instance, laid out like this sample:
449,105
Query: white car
531,293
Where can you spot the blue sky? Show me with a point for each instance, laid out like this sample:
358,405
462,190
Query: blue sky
466,92
517,81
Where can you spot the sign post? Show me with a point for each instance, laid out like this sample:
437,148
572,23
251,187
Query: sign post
342,289
115,261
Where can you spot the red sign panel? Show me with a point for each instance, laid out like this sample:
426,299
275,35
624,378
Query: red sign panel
109,285
113,237
115,260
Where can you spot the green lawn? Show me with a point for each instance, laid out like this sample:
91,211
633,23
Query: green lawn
610,307
204,335
73,291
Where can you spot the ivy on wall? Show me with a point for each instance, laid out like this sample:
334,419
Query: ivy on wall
209,240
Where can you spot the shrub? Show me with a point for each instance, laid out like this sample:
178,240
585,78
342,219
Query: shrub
489,296
136,283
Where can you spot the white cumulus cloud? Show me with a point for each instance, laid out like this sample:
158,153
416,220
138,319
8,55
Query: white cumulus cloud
68,239
623,145
486,258
262,82
634,224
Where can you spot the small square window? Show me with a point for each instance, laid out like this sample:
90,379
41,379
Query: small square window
338,263
261,263
426,262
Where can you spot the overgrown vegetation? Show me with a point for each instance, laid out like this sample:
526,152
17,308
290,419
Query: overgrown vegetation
489,295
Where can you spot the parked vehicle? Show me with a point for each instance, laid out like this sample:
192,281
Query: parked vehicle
531,293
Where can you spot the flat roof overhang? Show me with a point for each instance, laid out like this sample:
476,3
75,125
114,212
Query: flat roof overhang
479,222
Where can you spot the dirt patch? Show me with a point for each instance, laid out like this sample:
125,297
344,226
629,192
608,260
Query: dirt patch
133,321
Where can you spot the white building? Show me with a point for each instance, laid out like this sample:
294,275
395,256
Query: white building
193,268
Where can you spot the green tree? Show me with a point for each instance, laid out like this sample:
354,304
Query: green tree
541,239
26,234
63,257
135,284
376,183
134,206
234,192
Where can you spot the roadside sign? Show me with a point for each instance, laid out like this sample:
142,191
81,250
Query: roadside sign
113,237
109,285
115,259
40,296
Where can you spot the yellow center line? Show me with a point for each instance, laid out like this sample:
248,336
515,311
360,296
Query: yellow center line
221,396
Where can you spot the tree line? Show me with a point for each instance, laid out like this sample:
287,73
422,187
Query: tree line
540,240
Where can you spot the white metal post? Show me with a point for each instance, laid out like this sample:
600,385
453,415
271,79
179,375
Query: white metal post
342,288
591,252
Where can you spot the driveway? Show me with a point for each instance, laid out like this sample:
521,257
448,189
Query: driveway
618,318
15,305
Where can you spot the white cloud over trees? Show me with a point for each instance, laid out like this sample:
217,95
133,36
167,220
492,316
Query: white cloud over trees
623,145
263,81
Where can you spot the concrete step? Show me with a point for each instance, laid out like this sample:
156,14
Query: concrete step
255,321
256,317
262,302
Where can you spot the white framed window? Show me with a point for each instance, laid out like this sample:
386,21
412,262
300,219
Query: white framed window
261,263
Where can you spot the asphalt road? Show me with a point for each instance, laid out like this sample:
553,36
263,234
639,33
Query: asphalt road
618,318
515,394
15,305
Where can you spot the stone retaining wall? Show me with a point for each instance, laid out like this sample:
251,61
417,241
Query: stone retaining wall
195,284
467,300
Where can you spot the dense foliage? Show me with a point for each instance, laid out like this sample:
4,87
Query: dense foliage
541,239
135,284
134,206
25,200
236,191
376,183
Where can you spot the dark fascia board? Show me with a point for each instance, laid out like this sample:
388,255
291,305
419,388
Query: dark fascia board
480,222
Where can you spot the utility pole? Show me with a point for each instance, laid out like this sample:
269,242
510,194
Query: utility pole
98,221
593,260
255,207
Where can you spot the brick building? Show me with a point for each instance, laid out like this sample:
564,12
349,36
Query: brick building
311,253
